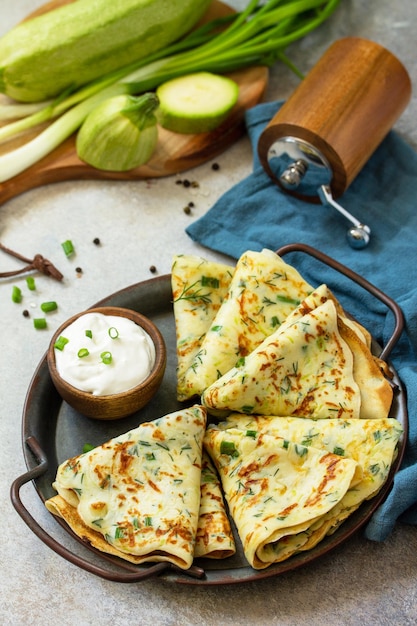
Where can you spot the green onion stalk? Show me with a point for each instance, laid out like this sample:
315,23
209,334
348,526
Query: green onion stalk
258,35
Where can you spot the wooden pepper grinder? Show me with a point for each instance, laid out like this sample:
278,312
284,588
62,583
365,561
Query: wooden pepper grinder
326,131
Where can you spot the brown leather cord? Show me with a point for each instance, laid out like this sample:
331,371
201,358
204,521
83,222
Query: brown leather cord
38,263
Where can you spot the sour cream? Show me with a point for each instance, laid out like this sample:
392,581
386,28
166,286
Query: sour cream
128,347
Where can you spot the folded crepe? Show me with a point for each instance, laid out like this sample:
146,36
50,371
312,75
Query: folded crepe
318,296
262,292
138,495
368,371
372,443
371,375
198,289
276,489
214,533
305,368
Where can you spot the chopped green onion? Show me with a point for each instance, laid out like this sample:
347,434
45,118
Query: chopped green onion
30,281
68,247
113,332
210,281
228,447
274,321
300,450
39,323
251,433
47,307
82,352
119,532
61,342
16,294
89,334
87,447
148,521
106,357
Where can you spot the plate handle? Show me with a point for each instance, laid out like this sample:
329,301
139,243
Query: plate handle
134,575
362,282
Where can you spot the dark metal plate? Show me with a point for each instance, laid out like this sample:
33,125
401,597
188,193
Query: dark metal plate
61,433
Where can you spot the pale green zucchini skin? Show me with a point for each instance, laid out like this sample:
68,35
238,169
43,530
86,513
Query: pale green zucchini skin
81,41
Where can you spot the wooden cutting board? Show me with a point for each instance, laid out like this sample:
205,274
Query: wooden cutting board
174,154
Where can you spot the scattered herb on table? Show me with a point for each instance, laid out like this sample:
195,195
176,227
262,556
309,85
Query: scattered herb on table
68,247
40,323
16,294
30,281
47,307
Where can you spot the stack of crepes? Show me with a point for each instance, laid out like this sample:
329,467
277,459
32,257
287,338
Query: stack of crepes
149,495
306,435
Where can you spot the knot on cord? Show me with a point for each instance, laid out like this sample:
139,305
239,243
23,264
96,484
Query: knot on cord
38,263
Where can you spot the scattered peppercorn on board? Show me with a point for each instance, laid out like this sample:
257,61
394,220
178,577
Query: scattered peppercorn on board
175,152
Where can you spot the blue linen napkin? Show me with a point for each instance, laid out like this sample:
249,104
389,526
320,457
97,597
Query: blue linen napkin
256,214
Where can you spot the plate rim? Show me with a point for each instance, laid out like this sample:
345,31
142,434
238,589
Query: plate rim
212,575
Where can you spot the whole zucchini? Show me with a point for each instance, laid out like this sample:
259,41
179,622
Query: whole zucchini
81,41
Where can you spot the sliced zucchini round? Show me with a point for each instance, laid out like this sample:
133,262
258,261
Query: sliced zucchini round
196,103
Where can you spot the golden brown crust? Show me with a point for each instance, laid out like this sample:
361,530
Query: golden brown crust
376,391
214,539
58,506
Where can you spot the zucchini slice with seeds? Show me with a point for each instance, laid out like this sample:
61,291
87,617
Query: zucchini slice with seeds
196,103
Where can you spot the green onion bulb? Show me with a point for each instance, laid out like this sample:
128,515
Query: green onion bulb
120,134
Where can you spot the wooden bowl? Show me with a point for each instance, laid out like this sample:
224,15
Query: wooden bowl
117,405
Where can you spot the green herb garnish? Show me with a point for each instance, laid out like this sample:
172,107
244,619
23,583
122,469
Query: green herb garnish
210,281
47,307
68,247
106,357
229,448
61,342
39,323
30,282
16,294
